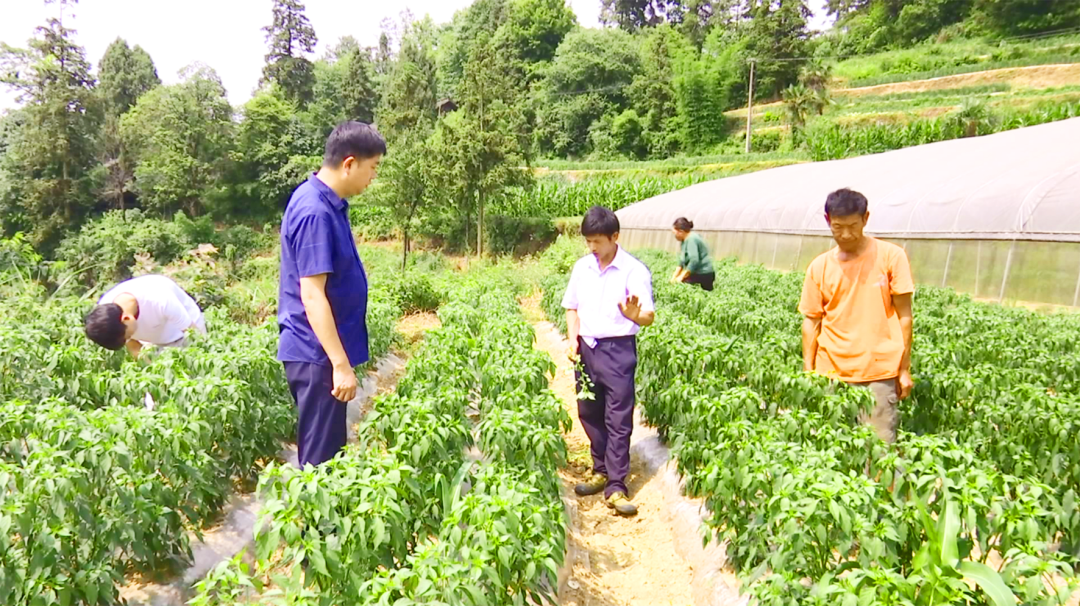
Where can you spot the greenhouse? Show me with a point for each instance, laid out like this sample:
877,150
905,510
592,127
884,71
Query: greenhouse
995,216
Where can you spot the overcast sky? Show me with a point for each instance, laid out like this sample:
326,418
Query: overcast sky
224,34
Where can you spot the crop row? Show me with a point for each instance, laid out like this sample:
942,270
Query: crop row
96,481
408,515
813,507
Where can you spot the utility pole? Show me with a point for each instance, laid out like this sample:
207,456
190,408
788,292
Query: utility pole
750,107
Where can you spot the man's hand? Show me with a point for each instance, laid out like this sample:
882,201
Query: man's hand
572,350
904,383
344,383
134,348
631,309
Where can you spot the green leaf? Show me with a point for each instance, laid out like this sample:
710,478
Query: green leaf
319,562
989,581
949,528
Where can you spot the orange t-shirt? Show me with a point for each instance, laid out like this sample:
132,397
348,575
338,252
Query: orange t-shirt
860,338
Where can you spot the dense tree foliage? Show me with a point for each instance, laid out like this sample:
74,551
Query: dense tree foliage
467,104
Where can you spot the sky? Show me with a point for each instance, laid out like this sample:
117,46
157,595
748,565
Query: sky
224,34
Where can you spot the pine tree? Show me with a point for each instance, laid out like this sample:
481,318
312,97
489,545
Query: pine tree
50,160
290,37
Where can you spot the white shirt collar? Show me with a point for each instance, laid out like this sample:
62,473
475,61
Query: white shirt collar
619,262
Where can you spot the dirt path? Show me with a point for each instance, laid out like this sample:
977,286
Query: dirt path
234,532
1034,77
614,561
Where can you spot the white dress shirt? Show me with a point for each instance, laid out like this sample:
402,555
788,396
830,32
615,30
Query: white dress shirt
596,295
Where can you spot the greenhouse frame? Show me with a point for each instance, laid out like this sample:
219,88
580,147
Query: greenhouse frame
996,216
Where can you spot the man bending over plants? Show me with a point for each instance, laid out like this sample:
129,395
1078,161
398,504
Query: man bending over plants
607,301
148,309
857,305
322,301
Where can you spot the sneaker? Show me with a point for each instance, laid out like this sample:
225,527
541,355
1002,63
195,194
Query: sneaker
594,485
621,504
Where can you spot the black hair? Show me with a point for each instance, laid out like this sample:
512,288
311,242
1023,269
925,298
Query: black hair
105,326
845,203
684,224
356,139
599,221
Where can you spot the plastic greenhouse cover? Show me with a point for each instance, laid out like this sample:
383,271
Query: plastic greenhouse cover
1022,184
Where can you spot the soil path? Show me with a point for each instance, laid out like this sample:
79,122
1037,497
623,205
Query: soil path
1033,77
614,561
235,532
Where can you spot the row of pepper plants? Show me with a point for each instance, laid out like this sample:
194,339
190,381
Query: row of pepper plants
99,482
451,495
974,504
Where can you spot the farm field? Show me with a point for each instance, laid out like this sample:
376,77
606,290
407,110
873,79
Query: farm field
856,122
110,468
976,504
452,492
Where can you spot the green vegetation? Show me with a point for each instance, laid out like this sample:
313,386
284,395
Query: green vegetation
934,59
520,80
108,465
974,504
404,517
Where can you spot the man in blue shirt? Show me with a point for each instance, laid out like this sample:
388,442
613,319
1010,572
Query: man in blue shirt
322,301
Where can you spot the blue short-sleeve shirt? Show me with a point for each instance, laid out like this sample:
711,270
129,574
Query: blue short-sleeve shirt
316,238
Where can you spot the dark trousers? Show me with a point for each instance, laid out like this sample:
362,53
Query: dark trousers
608,420
705,281
321,428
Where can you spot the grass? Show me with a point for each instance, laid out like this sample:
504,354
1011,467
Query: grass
680,162
932,60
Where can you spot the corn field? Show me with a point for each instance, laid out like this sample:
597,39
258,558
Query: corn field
830,141
564,199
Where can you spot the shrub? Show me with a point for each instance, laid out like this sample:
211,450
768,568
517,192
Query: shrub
518,235
104,250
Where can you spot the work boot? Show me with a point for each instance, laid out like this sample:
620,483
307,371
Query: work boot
594,485
621,504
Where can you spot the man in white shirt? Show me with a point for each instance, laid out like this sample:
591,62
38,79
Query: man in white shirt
147,309
608,300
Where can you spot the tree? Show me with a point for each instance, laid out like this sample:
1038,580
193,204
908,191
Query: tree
383,55
487,144
777,31
693,18
269,160
481,19
590,77
180,137
125,75
290,36
700,101
652,93
534,29
407,181
50,161
1016,17
345,89
410,92
799,103
632,15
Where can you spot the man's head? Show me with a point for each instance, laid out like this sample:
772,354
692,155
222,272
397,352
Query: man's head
353,153
601,230
846,213
110,326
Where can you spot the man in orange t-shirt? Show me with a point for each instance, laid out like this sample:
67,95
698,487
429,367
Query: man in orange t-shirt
857,305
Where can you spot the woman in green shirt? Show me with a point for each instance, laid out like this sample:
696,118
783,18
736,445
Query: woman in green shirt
695,266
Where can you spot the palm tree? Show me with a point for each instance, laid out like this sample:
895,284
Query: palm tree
799,101
971,115
816,75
